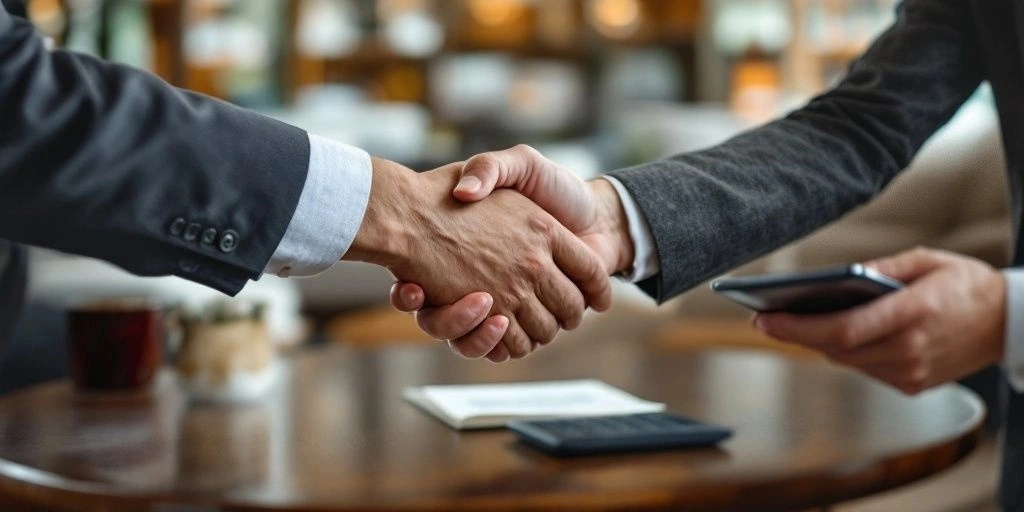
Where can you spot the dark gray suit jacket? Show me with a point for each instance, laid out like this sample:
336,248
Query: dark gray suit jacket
715,209
108,161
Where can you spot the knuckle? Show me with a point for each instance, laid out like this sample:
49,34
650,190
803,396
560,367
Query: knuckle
541,224
526,149
485,161
534,264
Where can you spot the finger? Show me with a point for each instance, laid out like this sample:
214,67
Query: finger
516,341
909,265
533,175
499,354
581,265
456,319
892,376
483,340
483,172
848,329
885,351
907,381
906,351
407,297
559,295
538,323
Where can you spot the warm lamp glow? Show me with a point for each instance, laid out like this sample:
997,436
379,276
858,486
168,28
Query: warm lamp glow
494,13
615,18
48,15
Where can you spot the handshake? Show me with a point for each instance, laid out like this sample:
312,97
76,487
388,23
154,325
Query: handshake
495,272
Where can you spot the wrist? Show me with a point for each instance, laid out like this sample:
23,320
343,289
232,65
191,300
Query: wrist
383,238
614,225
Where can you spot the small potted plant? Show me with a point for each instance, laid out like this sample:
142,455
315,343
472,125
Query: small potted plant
226,353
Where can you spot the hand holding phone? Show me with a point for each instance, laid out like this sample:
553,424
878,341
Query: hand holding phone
810,292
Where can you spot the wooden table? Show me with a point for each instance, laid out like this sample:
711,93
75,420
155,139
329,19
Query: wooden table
337,436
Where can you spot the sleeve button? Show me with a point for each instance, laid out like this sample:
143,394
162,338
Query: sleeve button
228,241
192,231
177,226
209,237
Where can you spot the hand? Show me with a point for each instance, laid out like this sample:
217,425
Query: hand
538,274
591,210
946,324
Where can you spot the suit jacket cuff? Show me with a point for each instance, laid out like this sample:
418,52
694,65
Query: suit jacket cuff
1013,360
329,211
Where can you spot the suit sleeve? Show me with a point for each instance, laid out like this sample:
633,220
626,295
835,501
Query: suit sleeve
108,161
712,210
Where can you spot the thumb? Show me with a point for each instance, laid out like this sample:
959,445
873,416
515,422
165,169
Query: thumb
552,187
515,168
511,168
909,265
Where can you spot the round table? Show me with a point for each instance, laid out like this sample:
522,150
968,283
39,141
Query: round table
336,435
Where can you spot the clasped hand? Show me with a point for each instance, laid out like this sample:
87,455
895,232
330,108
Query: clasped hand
946,324
537,274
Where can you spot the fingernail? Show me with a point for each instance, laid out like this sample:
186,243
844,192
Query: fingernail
468,184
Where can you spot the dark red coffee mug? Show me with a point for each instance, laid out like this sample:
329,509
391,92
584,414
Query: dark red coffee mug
116,344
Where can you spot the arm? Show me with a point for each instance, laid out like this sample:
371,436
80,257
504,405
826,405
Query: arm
104,160
507,245
594,211
713,210
110,162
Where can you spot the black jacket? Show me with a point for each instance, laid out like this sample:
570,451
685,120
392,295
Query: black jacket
108,161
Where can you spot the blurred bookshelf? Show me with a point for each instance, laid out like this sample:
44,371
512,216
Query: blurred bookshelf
454,77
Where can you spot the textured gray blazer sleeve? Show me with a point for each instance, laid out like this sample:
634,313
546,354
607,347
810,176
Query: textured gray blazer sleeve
712,210
109,161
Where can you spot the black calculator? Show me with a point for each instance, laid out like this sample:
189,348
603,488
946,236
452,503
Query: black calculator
609,434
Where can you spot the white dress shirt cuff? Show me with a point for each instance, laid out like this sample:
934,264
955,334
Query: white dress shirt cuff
645,254
329,211
1013,360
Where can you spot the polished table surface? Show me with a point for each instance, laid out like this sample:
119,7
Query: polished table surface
335,435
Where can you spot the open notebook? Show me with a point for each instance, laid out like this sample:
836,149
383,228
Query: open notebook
493,405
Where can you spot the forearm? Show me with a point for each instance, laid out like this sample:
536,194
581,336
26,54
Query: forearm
715,209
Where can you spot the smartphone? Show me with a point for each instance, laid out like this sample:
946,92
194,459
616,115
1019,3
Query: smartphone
814,291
